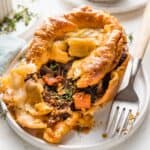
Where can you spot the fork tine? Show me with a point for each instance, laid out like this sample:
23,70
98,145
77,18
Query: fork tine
119,114
111,118
131,119
122,124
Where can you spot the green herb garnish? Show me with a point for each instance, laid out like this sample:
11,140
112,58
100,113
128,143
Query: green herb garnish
69,90
54,66
68,95
8,24
54,95
130,38
3,115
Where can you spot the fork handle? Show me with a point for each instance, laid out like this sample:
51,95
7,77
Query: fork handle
141,44
143,38
136,63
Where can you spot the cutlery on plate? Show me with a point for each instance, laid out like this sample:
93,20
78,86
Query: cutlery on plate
124,108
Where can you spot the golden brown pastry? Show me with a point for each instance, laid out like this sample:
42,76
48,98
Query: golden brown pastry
73,66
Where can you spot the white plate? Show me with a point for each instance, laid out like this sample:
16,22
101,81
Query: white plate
121,6
92,140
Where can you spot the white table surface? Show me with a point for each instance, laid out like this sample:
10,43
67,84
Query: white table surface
140,140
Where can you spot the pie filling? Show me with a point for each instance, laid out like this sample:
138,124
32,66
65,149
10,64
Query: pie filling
62,95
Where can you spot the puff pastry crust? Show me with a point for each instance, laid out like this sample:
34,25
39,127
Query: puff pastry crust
53,29
95,44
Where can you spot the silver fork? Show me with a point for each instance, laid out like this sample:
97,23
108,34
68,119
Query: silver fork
124,109
126,103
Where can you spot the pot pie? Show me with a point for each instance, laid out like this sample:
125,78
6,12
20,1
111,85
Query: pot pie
73,66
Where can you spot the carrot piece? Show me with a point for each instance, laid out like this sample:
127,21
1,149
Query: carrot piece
82,100
52,80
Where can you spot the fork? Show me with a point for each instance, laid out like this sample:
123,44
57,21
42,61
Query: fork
124,110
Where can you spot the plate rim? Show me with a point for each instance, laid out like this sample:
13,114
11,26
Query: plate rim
114,10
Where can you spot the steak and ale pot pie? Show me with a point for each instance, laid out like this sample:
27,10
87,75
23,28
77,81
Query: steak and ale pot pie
73,66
